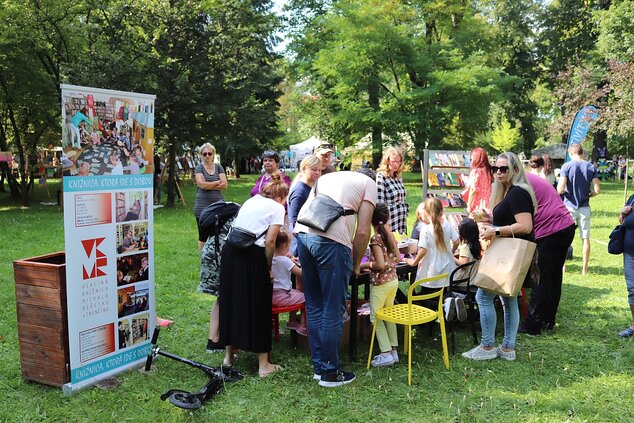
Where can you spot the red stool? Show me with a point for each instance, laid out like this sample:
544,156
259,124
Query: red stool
275,311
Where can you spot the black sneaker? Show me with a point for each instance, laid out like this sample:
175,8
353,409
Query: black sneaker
530,327
339,378
214,347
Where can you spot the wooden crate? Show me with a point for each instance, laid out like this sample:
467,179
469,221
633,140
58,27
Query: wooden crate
40,291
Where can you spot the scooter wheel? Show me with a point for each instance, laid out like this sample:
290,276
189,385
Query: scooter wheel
185,400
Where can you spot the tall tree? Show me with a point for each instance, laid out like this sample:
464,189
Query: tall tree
413,70
36,39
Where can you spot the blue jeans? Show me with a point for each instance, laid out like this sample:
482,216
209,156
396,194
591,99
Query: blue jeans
326,271
488,318
628,268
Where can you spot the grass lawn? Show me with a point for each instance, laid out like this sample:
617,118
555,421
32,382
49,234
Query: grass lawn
580,372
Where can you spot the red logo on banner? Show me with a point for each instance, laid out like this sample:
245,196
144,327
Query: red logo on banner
95,259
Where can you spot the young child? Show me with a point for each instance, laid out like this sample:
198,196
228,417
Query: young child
384,255
115,160
282,268
469,249
418,225
436,243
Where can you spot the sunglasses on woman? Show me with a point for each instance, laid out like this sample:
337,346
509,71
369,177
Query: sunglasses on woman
205,154
502,169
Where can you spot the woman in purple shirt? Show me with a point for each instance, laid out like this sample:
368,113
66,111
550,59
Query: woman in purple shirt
554,231
270,162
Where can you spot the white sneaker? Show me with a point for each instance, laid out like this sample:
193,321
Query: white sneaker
382,360
394,356
479,353
450,309
507,355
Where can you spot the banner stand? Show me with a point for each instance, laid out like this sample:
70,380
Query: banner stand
108,136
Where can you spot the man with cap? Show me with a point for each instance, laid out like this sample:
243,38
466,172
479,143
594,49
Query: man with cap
324,152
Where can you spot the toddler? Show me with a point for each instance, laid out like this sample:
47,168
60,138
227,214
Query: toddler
282,268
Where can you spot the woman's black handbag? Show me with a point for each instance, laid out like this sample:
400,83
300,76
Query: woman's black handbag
241,238
617,238
322,212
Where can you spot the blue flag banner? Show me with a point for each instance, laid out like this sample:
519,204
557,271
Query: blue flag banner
581,126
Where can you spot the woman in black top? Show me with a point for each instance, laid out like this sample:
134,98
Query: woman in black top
513,203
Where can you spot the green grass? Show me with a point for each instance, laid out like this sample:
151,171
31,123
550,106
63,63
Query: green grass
580,372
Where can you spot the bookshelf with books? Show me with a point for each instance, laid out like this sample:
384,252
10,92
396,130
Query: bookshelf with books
445,174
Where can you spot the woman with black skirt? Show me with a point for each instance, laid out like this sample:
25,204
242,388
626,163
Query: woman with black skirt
245,277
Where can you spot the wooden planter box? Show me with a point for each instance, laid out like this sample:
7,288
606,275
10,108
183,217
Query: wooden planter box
40,292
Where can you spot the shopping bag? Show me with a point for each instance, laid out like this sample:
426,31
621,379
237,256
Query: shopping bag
504,265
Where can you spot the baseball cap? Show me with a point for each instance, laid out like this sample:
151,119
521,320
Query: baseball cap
323,150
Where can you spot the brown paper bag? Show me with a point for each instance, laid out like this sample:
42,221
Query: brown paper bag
504,266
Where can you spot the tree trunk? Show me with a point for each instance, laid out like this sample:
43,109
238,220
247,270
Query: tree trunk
236,168
171,179
377,133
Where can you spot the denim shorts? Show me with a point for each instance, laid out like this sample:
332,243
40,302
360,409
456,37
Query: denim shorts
581,216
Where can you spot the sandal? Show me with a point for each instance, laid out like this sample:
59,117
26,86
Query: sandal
272,369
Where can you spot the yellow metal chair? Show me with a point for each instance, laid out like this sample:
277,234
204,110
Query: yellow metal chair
412,314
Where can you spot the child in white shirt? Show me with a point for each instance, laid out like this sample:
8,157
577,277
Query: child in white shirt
438,239
282,268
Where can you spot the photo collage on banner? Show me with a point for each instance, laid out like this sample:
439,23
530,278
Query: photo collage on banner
108,142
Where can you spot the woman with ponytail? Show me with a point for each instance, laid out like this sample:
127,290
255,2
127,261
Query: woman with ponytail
438,239
246,278
384,255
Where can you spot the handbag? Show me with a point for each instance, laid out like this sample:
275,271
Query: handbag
533,275
617,239
241,238
504,265
321,212
617,236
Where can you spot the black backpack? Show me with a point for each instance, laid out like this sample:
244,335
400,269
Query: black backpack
214,216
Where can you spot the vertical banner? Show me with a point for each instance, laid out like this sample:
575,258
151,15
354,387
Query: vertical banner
108,141
581,126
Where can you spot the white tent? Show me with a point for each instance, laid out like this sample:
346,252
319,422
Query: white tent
303,149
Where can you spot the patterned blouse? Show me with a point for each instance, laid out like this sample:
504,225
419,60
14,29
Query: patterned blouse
391,191
389,273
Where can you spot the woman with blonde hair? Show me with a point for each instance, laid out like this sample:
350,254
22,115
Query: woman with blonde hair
513,205
309,172
246,278
210,180
391,190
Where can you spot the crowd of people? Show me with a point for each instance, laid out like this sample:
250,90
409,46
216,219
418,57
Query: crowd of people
503,200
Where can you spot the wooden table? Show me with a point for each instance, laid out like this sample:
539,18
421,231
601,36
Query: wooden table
364,279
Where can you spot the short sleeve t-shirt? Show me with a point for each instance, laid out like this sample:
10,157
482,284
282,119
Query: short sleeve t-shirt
349,189
552,215
579,174
257,214
516,201
436,262
281,268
